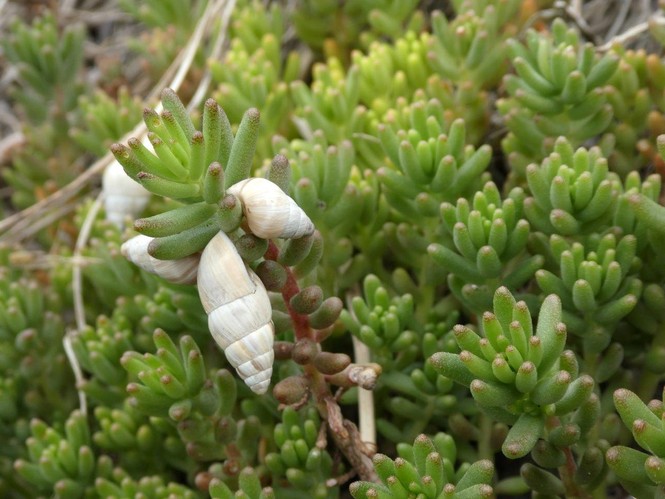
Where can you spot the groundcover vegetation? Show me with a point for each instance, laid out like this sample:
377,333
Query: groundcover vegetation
320,248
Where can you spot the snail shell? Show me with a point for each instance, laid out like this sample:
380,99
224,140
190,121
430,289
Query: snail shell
239,312
269,211
181,271
123,196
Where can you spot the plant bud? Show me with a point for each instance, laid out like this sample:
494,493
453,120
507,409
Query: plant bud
308,300
327,313
229,215
296,250
283,350
331,363
462,427
627,463
213,181
541,481
280,172
304,351
175,220
272,274
251,247
314,254
522,436
226,430
180,410
193,429
564,436
291,390
591,466
282,321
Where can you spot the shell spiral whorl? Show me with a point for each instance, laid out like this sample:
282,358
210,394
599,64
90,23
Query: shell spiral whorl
239,312
270,213
180,271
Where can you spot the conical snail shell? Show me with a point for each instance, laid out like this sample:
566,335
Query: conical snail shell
181,271
269,211
239,312
122,196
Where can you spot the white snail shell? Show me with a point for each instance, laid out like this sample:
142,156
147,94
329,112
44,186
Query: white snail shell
180,271
239,312
122,196
269,211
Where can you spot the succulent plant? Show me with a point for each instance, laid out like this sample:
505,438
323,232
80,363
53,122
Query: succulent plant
360,248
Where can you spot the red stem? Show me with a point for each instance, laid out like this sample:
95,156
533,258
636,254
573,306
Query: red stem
325,402
290,289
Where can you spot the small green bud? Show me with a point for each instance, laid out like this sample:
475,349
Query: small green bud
526,378
217,134
406,473
551,388
229,214
280,172
250,247
296,250
576,395
213,183
174,221
174,105
651,438
184,243
180,410
422,448
226,430
628,464
655,468
480,472
242,151
565,435
492,394
547,455
541,481
450,365
630,408
591,467
523,436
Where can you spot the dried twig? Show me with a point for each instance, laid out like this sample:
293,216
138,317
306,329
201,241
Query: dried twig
632,34
25,229
81,243
76,368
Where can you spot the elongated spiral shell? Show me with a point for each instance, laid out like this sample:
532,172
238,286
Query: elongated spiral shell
181,271
269,211
122,196
239,312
